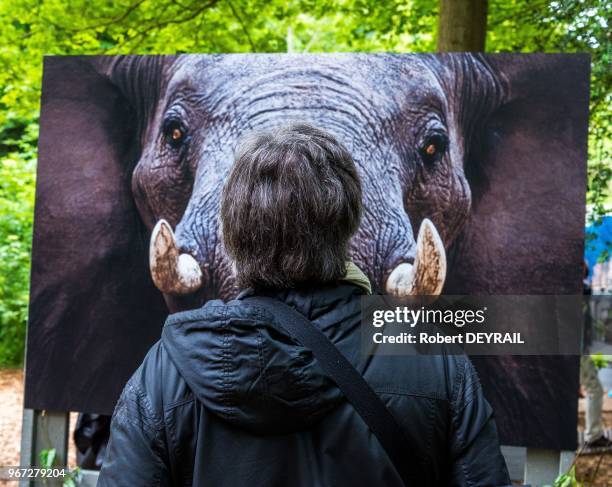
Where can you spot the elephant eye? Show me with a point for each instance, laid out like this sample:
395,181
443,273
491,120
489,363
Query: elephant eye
177,134
433,148
174,133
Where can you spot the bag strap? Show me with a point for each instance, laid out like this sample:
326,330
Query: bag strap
357,391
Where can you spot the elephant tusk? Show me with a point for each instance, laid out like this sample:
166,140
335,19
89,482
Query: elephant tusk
427,275
172,272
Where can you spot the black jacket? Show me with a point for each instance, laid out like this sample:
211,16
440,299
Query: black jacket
223,399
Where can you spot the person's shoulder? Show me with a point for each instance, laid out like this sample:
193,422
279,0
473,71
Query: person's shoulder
157,383
464,382
218,311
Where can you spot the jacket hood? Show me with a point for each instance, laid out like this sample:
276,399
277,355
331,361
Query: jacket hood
242,366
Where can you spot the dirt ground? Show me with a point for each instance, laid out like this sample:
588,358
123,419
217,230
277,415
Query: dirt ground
11,404
593,470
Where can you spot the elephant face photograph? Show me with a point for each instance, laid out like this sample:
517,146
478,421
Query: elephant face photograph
405,121
473,170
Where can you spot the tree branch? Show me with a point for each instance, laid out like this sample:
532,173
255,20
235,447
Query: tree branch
242,24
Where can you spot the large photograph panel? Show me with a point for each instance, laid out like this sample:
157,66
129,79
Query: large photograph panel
490,148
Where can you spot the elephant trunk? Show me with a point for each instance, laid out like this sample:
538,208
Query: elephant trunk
173,272
427,274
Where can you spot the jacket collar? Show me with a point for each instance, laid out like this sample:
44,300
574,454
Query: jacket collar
312,299
354,275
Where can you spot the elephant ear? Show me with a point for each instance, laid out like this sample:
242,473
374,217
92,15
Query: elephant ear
525,233
94,311
527,173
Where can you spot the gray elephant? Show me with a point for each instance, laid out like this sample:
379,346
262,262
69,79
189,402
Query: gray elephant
396,117
473,169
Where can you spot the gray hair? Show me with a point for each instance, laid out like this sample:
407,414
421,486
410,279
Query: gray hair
289,208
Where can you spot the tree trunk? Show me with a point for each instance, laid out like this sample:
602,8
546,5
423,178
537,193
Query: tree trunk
462,25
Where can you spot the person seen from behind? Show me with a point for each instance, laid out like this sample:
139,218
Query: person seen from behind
228,398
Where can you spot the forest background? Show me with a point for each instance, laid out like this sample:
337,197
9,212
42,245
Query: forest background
34,28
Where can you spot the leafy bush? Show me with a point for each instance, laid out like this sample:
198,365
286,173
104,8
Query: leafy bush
601,361
17,177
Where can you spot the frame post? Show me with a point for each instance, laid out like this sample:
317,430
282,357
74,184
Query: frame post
42,430
543,466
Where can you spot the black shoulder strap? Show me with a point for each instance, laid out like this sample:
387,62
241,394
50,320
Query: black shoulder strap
357,391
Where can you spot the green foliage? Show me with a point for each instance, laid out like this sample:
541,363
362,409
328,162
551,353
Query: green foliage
16,200
33,28
71,478
601,361
47,458
568,479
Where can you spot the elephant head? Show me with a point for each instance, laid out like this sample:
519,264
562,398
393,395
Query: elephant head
407,121
476,157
